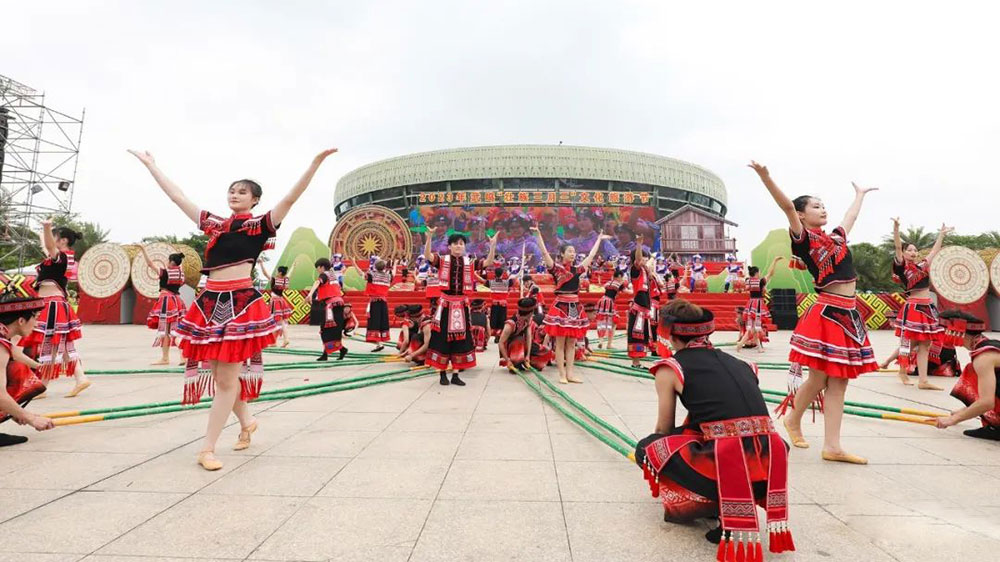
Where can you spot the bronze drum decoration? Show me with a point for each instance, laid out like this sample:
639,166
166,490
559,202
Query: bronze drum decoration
371,230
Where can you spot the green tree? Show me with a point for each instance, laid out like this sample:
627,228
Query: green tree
873,266
913,235
196,240
92,232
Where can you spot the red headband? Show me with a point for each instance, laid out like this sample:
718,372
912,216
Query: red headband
21,305
694,329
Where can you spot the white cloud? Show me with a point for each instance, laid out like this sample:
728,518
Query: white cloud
898,95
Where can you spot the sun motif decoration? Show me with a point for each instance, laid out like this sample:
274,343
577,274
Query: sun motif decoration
371,230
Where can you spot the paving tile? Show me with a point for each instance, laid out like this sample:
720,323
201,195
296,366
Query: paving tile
507,423
61,471
618,481
468,531
354,421
348,529
414,444
499,446
632,531
174,472
206,526
501,480
17,501
323,444
424,422
83,521
416,478
278,476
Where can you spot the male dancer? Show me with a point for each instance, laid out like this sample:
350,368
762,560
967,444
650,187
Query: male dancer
451,341
977,387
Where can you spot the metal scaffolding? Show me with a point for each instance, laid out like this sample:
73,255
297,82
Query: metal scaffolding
39,147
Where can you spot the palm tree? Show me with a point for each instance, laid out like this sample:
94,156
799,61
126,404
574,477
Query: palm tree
913,235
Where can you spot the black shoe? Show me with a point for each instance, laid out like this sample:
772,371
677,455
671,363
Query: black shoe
377,349
457,381
323,357
985,432
8,440
343,352
444,379
714,536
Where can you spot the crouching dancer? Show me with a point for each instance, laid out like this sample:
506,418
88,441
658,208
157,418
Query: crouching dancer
726,458
18,381
977,387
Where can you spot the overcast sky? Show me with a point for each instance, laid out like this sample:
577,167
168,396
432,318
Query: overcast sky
899,95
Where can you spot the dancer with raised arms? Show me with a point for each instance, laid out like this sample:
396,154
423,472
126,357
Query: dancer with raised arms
566,320
229,323
830,338
917,323
169,307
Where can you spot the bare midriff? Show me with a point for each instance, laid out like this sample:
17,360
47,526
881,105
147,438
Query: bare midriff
230,272
48,288
846,289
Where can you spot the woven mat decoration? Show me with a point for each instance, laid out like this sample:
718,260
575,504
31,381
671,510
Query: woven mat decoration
960,275
104,270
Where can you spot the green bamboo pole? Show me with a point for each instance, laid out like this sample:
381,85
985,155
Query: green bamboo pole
576,419
285,390
208,404
583,410
297,365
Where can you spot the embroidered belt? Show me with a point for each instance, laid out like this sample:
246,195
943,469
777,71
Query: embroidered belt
738,427
228,285
839,301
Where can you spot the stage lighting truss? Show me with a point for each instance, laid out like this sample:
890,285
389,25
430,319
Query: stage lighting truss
37,167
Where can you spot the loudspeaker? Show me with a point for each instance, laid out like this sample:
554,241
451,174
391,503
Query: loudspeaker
783,300
785,320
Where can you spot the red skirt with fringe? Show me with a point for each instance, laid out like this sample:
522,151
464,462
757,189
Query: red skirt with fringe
566,318
831,337
169,308
51,342
918,320
228,322
280,308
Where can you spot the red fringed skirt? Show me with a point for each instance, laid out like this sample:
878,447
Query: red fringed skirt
280,308
231,323
918,320
566,318
51,342
831,337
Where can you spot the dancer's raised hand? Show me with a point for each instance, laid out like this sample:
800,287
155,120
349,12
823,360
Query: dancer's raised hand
144,156
759,168
862,190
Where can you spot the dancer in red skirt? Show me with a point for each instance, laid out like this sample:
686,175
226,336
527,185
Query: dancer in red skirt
379,280
831,338
169,307
403,323
18,382
500,284
726,458
565,320
451,341
516,337
281,310
639,334
229,323
51,342
755,313
978,386
336,313
917,322
607,311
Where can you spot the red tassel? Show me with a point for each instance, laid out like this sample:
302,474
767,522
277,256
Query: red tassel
730,550
741,555
758,552
790,543
720,554
772,541
751,554
784,540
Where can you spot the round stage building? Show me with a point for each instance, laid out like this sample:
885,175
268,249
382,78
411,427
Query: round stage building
571,192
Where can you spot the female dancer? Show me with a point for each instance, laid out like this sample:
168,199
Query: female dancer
566,320
169,307
336,313
727,457
697,274
51,342
606,310
229,324
500,284
755,313
280,308
379,280
639,334
830,338
918,319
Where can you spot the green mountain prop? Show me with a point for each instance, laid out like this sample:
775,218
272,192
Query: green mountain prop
302,251
777,243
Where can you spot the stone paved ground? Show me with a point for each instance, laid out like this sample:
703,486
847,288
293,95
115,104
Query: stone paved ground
416,471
